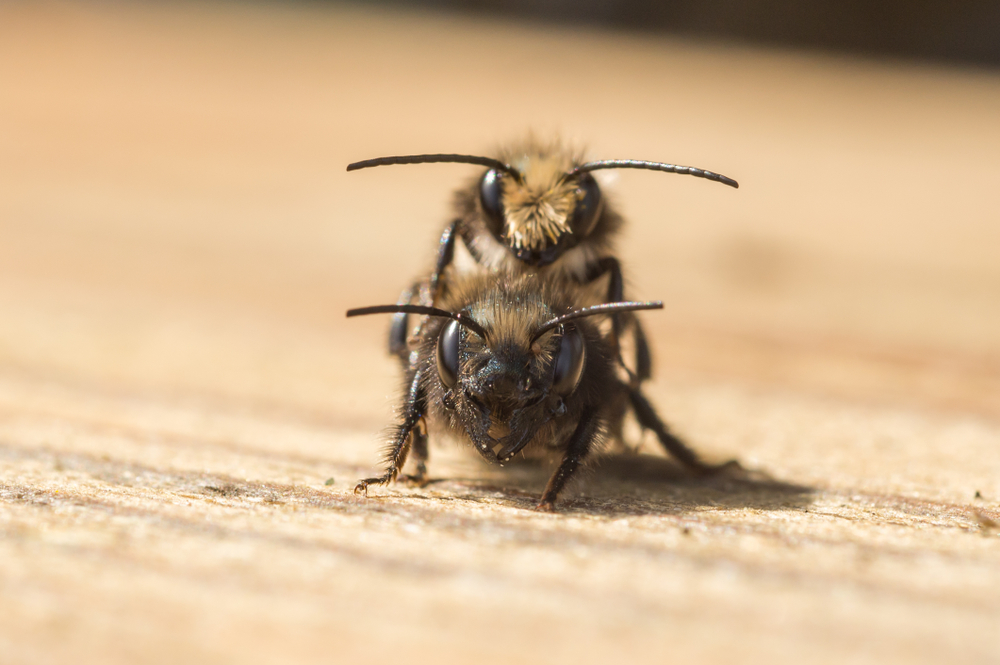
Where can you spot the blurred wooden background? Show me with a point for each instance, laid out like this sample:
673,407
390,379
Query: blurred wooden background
177,380
934,30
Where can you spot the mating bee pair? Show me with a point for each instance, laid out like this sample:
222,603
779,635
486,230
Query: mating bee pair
507,353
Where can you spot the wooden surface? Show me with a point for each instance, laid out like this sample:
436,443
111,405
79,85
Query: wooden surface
178,383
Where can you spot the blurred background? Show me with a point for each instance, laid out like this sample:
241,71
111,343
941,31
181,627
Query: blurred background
175,212
965,31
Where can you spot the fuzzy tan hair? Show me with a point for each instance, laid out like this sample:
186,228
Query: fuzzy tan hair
539,207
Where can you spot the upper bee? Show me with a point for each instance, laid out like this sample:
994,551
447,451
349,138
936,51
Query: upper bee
541,202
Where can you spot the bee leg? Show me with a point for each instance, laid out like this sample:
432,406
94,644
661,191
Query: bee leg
616,289
430,289
643,357
427,291
446,252
616,293
648,419
418,449
576,450
399,447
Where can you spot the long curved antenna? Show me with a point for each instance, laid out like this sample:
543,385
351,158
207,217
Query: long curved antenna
463,319
652,166
488,162
609,308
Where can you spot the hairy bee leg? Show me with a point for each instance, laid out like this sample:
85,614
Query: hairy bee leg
414,410
577,449
648,419
418,449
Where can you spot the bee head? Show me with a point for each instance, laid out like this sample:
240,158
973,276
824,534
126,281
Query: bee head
506,365
538,208
503,388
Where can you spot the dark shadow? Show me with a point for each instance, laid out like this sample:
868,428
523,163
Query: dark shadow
627,484
647,481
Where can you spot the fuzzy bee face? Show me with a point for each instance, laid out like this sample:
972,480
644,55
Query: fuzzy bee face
504,388
539,208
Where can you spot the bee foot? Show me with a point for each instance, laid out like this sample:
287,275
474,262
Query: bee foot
362,486
546,506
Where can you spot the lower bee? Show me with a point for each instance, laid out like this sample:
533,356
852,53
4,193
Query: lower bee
515,365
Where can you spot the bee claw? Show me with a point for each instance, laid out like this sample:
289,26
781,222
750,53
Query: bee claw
546,506
385,479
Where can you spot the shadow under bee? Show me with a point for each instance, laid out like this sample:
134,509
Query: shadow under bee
622,484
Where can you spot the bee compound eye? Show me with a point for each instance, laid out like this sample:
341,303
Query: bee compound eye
447,354
588,205
491,200
569,361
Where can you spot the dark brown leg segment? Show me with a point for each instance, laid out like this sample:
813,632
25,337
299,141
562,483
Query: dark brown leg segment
427,291
406,431
578,447
648,419
419,452
616,293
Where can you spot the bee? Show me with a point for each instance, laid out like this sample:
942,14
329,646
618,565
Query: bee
537,209
515,364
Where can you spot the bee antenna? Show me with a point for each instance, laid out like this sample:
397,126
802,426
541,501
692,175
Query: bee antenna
488,162
462,318
609,308
650,166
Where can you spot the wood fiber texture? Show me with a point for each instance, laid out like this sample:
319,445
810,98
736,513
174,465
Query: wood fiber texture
184,409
